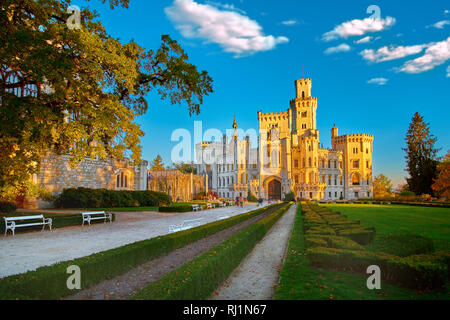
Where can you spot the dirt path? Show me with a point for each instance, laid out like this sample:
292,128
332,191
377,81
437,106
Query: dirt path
258,274
126,285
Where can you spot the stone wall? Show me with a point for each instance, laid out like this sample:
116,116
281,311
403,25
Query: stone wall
57,174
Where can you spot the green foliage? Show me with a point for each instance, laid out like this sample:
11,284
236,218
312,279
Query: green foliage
50,282
7,206
90,86
197,279
363,236
402,245
184,208
251,197
186,168
103,198
290,196
421,156
414,273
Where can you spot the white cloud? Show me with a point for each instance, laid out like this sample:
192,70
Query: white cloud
340,48
364,40
225,6
437,53
439,24
358,27
390,53
378,81
233,31
291,22
446,12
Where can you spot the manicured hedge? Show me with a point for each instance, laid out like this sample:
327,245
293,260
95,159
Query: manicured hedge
423,273
197,279
50,282
103,198
7,206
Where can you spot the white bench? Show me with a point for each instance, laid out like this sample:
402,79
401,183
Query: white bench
196,207
187,224
11,223
230,203
209,206
98,215
222,204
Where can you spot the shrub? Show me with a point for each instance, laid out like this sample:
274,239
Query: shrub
183,208
7,206
315,241
290,196
251,198
402,245
361,235
413,273
102,198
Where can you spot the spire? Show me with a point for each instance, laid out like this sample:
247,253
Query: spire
234,123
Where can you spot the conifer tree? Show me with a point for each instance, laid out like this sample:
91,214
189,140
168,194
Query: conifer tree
420,156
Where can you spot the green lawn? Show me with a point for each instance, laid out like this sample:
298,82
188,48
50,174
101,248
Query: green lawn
433,223
298,280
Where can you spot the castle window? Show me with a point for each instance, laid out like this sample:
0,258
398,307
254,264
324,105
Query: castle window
367,164
295,163
355,179
329,180
356,164
367,151
329,164
309,162
303,94
304,163
335,164
296,179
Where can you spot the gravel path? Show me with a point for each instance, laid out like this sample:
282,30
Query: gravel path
128,284
28,251
258,274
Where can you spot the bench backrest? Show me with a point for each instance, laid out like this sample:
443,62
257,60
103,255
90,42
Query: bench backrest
24,218
91,213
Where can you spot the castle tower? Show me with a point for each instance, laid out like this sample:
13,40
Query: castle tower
303,107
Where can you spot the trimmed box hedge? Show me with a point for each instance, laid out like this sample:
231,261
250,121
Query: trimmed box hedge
423,273
198,278
103,198
49,282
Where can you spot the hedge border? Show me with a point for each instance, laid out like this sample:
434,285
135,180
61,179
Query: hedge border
49,282
198,278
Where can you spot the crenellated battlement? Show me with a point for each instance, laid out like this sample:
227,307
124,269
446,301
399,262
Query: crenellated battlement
265,116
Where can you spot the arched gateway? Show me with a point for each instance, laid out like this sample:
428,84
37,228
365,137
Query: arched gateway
274,190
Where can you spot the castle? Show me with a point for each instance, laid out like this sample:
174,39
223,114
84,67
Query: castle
289,158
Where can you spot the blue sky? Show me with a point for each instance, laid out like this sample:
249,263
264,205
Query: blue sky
369,76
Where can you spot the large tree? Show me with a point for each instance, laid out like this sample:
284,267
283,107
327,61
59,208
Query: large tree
79,91
441,184
382,186
420,156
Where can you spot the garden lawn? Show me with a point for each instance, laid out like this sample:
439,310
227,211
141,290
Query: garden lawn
298,280
432,223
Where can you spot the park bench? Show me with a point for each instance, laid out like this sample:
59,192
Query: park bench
98,215
11,223
209,206
187,224
230,203
222,204
196,207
